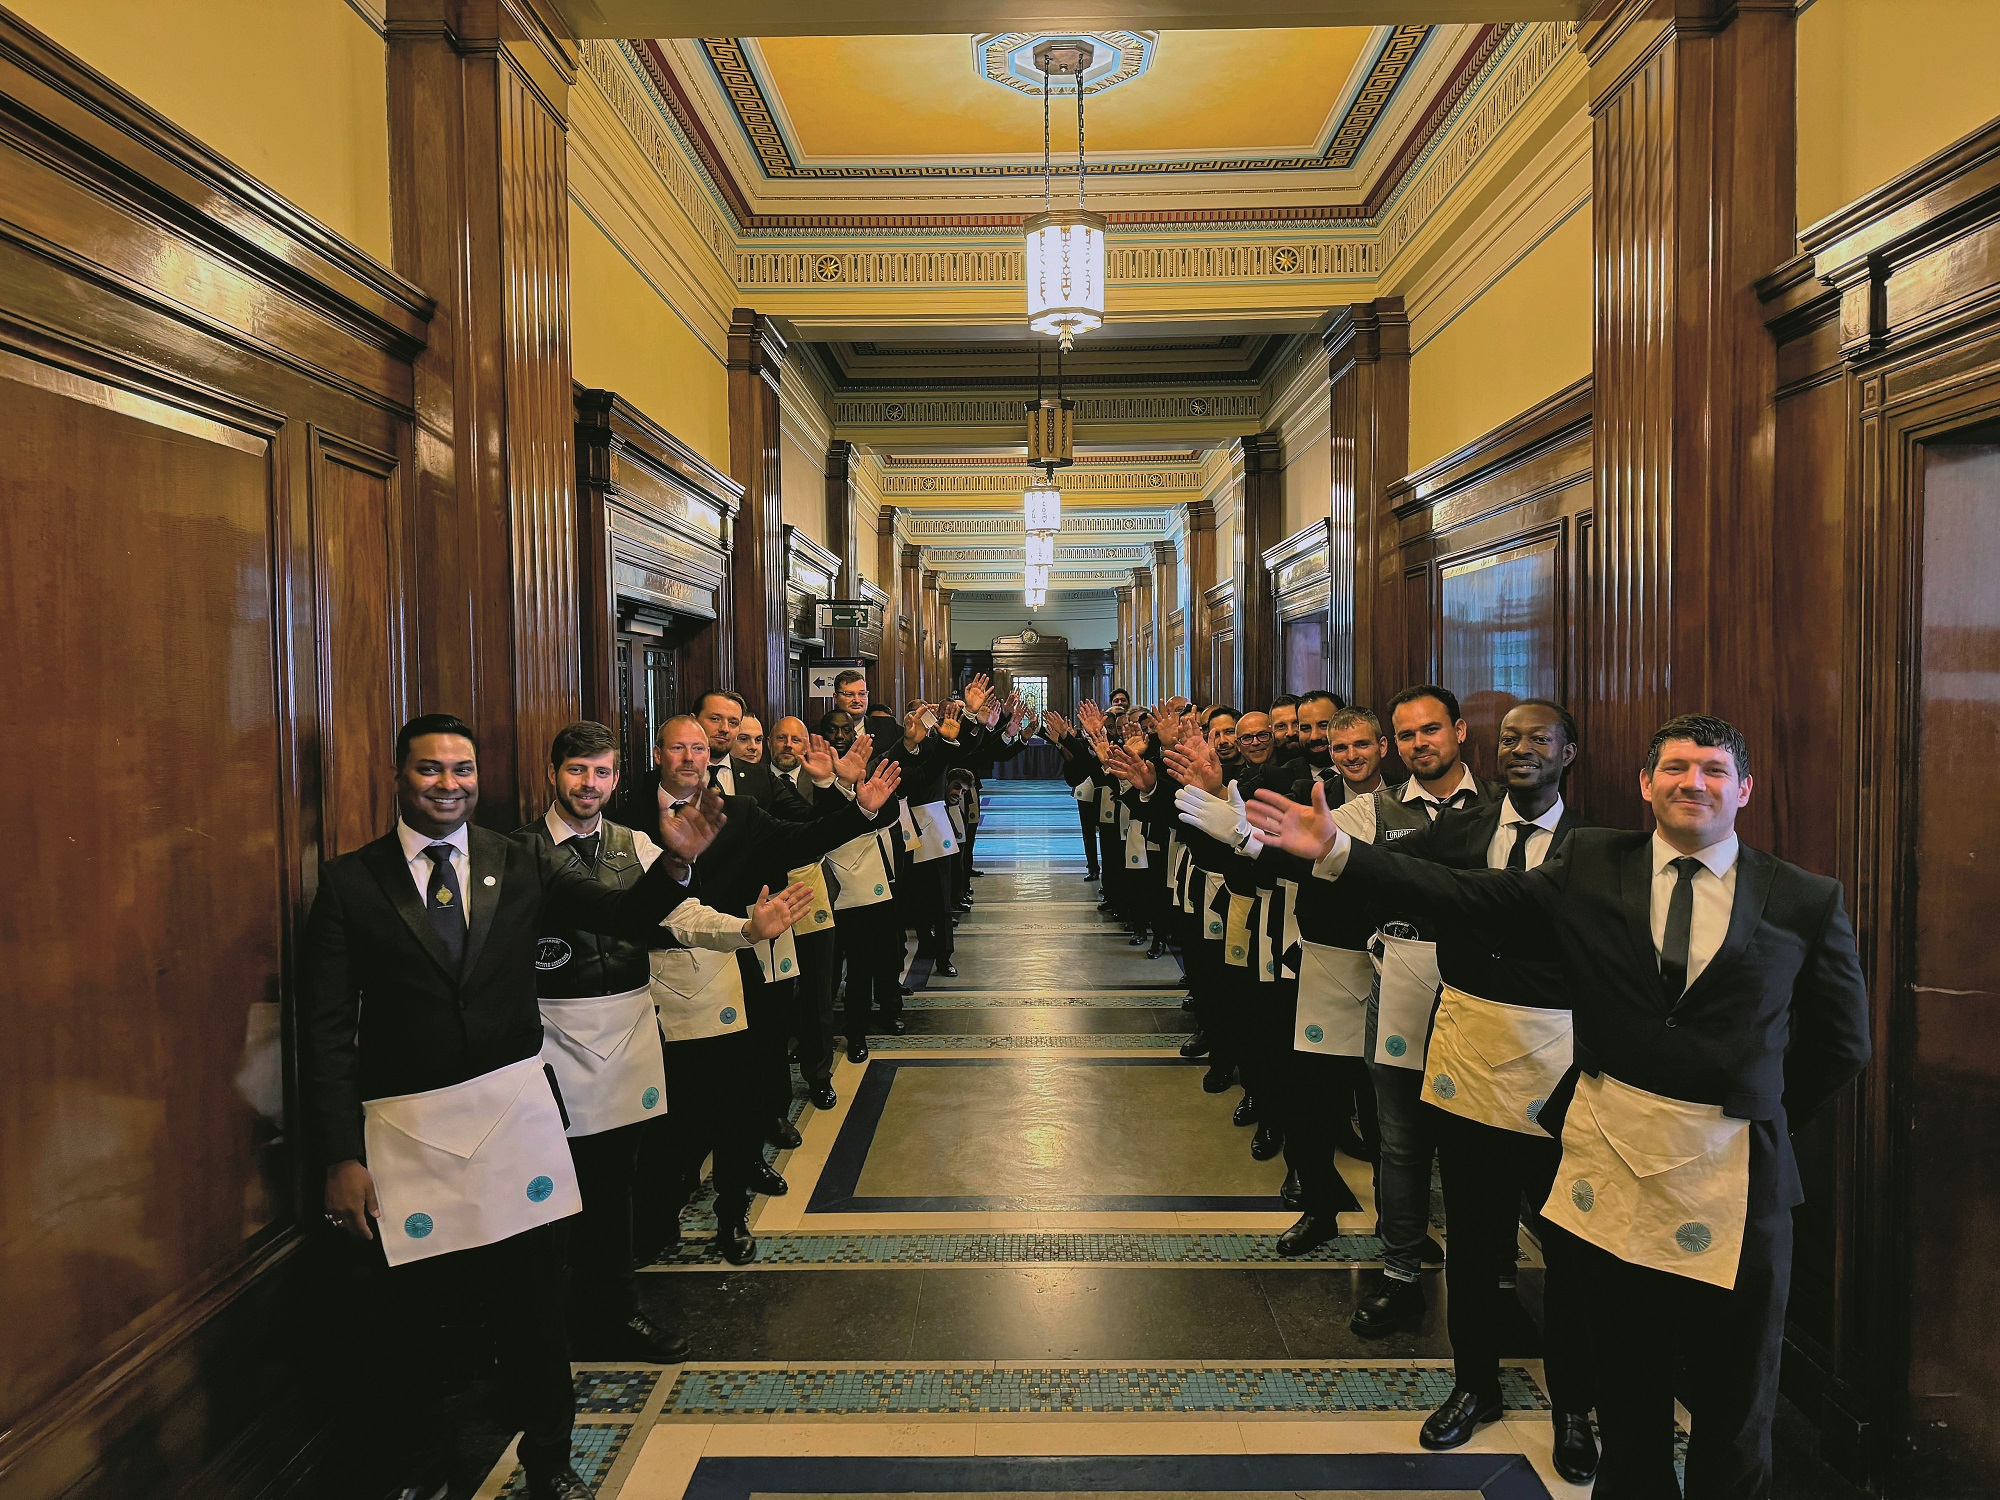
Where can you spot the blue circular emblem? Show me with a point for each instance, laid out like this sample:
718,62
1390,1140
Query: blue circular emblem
819,916
650,1098
728,1017
1535,1109
1395,1046
1693,1238
784,966
540,1189
878,887
1270,967
1315,1034
418,1225
1583,1195
1215,929
1443,1087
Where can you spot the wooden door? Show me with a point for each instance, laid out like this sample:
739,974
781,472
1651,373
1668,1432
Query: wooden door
648,694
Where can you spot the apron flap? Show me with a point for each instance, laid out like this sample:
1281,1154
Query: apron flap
1652,1134
1503,1034
599,1023
686,972
458,1119
1346,972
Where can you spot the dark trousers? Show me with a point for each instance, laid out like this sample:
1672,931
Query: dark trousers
1486,1172
870,940
929,888
1314,1110
812,1006
712,1111
1644,1321
1086,817
1202,957
1269,1015
421,1313
772,1010
603,1289
1111,864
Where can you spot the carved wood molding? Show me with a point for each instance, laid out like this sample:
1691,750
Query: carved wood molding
1548,424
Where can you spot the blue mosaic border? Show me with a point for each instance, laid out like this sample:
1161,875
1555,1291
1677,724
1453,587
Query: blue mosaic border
942,1249
1115,1041
918,1389
593,1448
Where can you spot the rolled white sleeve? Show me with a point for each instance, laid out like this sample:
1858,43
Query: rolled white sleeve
1351,821
693,924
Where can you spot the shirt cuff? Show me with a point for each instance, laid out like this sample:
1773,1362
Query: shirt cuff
1333,864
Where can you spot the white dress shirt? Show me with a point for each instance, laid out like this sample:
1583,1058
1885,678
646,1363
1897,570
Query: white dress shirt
1415,791
695,925
1357,814
1540,842
1714,896
722,775
414,845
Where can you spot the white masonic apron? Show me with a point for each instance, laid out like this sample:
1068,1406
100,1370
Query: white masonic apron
1495,1063
1654,1181
1134,834
1107,805
1334,985
697,993
860,872
819,916
1408,973
606,1053
469,1165
1085,790
1211,919
934,838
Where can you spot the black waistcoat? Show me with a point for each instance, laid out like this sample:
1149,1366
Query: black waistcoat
571,965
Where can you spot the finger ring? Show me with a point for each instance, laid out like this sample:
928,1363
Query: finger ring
333,1219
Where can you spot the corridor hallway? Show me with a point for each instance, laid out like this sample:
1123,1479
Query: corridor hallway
1026,1236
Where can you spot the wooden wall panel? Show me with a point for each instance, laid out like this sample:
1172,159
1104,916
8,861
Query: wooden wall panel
1260,523
757,558
1368,356
1198,569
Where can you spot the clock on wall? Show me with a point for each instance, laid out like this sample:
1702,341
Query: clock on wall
1030,636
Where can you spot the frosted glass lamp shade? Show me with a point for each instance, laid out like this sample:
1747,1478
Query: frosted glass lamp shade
1042,510
1065,272
1041,549
1036,598
1036,578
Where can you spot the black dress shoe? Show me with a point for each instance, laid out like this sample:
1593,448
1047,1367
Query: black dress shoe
1107,908
823,1096
904,989
1267,1142
1453,1424
1139,940
1218,1078
564,1484
764,1179
638,1337
857,1052
1246,1111
1158,950
784,1135
1350,1144
978,874
735,1243
1308,1234
1195,1046
1432,1252
1576,1447
1292,1194
944,969
896,1025
1392,1305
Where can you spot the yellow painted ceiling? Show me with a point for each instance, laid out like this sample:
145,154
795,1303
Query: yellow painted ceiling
1208,92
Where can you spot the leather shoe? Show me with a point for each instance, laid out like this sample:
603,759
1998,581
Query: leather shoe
1432,1252
904,989
764,1179
1218,1078
784,1135
1267,1142
564,1484
1392,1305
1195,1046
640,1338
857,1052
1453,1424
944,969
1293,1193
823,1096
1246,1111
1576,1447
1308,1234
897,1026
735,1243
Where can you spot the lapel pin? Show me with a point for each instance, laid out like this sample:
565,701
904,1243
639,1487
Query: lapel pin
489,880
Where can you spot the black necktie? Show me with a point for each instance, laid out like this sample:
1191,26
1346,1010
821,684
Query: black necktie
1680,928
1444,805
1517,856
444,901
715,776
586,847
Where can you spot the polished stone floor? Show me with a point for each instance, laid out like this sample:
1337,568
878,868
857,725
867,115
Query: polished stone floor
1026,1256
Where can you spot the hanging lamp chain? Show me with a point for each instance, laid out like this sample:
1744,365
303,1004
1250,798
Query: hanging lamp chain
1079,138
1048,166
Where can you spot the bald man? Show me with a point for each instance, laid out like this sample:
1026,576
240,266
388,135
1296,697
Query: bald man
811,1021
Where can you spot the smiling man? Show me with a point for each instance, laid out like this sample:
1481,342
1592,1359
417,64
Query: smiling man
1718,1003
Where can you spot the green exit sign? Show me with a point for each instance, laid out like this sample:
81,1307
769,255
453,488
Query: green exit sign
846,614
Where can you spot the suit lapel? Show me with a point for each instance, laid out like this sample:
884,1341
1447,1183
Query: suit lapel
1635,894
1754,872
385,859
489,877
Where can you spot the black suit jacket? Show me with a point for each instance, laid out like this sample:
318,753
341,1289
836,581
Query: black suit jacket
1775,1023
756,849
382,1010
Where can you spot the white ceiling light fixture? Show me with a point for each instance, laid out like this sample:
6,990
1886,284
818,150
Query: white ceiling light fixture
1065,246
1041,549
1034,577
1036,598
1041,509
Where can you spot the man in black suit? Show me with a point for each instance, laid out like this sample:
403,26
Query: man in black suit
437,925
719,1077
721,716
1718,1002
791,748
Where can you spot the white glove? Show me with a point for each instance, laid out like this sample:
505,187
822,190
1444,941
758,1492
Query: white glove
1220,820
1247,843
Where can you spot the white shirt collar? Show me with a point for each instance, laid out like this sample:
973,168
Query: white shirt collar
1415,791
559,826
414,843
1547,820
1719,856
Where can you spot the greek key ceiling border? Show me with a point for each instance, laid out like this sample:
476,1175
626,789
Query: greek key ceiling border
1014,481
956,411
917,526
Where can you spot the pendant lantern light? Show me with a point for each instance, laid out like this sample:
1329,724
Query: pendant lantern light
1065,247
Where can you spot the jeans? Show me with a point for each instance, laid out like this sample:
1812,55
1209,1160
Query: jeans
1403,1174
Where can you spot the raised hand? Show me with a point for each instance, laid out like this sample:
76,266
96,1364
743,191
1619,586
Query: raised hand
688,834
771,914
949,725
1056,727
977,692
1308,832
1027,725
916,726
1134,768
1089,717
852,766
871,794
1193,763
818,758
